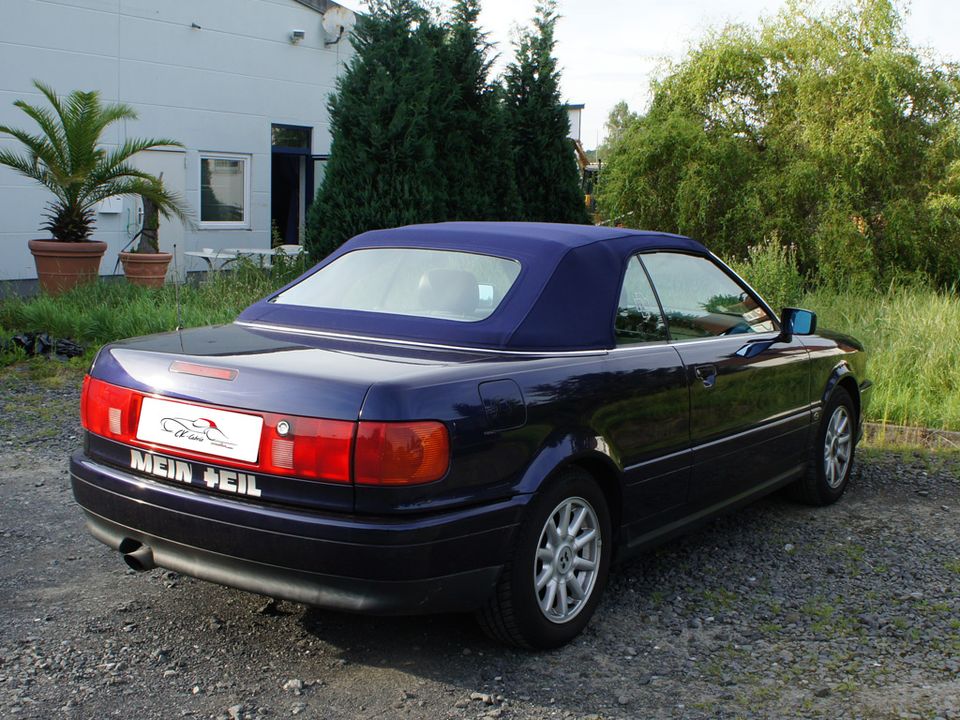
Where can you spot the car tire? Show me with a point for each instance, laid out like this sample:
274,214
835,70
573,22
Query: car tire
831,457
564,544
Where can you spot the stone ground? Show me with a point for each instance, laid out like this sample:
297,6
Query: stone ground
777,611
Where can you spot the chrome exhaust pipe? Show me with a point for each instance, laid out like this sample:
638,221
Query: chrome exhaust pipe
136,555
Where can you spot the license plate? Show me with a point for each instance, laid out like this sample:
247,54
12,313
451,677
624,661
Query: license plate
200,429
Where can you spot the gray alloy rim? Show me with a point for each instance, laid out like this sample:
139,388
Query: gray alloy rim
837,447
567,560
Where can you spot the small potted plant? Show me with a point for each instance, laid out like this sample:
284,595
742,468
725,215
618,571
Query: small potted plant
67,158
145,265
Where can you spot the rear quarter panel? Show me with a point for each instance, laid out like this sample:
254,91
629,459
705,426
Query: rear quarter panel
613,411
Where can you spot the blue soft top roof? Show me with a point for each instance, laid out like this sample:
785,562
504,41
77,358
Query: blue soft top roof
565,297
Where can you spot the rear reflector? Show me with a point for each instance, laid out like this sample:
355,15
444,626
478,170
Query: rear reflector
408,453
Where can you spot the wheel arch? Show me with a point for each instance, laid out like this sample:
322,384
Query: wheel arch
586,452
842,377
607,477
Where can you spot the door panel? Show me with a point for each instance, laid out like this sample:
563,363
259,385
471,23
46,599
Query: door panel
749,407
648,421
648,427
750,422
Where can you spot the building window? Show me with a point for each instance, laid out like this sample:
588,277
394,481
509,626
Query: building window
224,190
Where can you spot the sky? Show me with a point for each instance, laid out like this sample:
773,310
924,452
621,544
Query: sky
609,49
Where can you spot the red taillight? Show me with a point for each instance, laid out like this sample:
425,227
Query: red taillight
400,453
309,448
384,453
108,410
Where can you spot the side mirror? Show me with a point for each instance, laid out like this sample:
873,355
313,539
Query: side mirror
794,321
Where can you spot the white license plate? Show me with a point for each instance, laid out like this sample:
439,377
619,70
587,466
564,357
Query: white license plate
200,429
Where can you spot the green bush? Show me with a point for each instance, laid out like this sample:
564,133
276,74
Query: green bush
911,337
771,268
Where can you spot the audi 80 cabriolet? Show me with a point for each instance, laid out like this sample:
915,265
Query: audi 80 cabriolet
464,417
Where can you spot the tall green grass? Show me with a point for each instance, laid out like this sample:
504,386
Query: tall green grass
105,311
912,336
911,333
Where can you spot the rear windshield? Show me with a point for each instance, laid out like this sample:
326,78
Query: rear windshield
447,284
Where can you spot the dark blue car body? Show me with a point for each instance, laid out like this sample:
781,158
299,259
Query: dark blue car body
539,386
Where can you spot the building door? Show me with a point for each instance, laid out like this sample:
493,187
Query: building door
291,181
172,164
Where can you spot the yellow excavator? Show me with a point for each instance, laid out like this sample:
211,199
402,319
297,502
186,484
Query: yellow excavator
589,171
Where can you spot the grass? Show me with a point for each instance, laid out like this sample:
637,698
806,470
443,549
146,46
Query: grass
911,334
105,311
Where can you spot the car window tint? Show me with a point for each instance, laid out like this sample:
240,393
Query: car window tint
446,284
638,315
700,300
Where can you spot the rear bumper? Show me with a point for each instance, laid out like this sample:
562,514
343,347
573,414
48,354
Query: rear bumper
429,563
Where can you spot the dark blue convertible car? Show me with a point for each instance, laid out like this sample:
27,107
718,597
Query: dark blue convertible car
464,416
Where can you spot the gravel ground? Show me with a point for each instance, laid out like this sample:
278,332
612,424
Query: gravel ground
852,611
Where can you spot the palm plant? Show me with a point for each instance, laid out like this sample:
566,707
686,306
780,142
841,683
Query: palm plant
67,158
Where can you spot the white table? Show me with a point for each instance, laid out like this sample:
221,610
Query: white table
212,256
227,255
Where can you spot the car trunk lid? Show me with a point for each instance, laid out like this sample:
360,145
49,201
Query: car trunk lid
229,410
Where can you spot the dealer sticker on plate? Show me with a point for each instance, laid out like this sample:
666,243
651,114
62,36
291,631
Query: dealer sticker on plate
200,429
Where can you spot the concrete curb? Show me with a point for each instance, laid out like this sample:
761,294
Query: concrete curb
879,435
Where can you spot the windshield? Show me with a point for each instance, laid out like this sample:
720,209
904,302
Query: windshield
452,285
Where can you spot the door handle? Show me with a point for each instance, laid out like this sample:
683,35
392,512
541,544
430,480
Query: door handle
707,374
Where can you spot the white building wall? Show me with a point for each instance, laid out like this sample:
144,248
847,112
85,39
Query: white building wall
215,88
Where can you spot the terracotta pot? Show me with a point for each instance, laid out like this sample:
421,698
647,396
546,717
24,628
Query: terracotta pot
62,266
146,269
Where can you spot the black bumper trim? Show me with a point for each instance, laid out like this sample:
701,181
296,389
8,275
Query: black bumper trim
450,593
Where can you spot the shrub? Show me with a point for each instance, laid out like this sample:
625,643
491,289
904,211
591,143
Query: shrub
771,268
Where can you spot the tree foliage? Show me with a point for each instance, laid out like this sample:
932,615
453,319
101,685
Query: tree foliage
421,134
475,156
619,119
547,179
827,131
383,167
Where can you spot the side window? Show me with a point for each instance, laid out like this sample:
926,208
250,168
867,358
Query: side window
638,315
700,300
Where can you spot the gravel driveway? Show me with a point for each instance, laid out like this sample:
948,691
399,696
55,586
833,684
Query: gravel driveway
776,611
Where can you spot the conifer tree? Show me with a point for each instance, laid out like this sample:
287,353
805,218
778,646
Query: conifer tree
420,134
475,153
548,183
383,169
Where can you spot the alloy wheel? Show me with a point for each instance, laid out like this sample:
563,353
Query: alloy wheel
837,447
567,561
